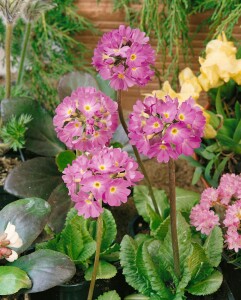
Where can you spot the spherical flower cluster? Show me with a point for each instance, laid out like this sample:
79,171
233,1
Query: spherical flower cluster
165,130
226,200
124,56
104,175
86,120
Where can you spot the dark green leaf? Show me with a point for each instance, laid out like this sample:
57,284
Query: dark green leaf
60,203
64,158
237,133
29,217
219,106
12,280
46,268
220,168
228,128
33,178
237,110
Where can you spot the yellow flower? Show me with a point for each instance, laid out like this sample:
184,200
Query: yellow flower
219,64
166,90
189,84
209,131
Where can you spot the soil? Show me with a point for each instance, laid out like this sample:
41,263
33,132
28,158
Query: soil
6,164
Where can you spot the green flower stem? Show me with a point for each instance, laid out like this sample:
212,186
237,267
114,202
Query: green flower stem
97,256
138,158
23,54
9,31
173,216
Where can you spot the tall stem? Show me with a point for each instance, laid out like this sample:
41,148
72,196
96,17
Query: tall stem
173,216
23,53
97,256
9,30
138,158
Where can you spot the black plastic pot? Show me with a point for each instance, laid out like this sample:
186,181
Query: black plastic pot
80,291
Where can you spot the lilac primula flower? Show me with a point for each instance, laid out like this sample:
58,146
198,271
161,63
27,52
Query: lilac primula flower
162,129
86,120
104,175
124,57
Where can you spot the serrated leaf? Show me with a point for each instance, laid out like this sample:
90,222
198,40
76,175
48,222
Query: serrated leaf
184,241
207,286
64,158
105,271
196,259
111,295
152,273
213,246
13,279
46,268
185,200
129,265
142,199
162,229
112,253
154,218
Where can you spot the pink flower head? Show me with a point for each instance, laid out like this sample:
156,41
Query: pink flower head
104,175
124,57
203,219
85,120
161,129
229,188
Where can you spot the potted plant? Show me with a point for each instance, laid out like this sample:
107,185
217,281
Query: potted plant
21,223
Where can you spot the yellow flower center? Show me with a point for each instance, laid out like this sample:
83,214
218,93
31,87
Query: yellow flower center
96,134
133,57
76,125
174,131
166,115
121,76
156,125
102,167
69,111
116,50
133,69
87,107
239,214
181,117
87,201
97,184
113,189
163,147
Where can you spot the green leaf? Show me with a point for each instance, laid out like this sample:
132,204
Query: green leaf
137,297
214,246
12,280
218,103
219,170
196,260
193,162
36,177
105,271
46,268
237,133
29,217
111,295
142,199
229,143
185,200
214,120
152,273
184,242
64,158
71,81
161,231
154,218
104,86
112,253
202,151
130,268
60,203
196,175
237,110
229,127
207,286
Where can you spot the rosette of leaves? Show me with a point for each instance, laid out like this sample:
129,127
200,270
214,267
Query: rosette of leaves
39,270
78,241
147,260
222,153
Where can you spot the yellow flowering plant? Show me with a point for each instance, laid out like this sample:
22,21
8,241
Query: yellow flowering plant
219,82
